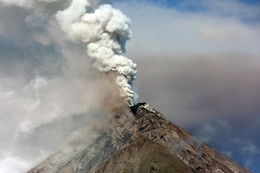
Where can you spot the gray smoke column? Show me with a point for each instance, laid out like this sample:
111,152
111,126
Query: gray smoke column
105,31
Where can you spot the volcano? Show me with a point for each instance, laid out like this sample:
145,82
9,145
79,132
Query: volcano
140,140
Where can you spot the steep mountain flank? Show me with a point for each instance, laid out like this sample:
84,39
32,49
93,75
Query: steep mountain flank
140,143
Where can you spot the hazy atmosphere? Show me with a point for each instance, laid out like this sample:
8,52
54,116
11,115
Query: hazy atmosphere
198,63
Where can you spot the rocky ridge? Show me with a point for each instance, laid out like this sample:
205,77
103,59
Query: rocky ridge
145,142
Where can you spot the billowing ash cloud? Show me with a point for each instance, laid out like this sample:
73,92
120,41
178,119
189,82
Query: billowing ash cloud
105,32
48,92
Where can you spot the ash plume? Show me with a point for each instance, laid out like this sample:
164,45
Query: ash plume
105,31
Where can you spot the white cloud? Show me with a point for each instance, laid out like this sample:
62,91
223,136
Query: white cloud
158,30
13,164
228,153
211,130
23,3
250,148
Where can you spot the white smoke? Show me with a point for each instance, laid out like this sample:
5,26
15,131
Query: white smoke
42,110
105,31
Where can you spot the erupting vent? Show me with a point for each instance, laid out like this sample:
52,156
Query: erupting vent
135,107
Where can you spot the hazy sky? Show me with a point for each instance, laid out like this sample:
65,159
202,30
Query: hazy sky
197,60
198,63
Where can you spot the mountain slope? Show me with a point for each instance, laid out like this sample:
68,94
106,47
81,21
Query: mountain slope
146,142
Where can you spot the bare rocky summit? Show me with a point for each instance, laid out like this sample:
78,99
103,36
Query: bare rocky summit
145,142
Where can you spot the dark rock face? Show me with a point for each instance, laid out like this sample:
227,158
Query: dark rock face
135,107
146,142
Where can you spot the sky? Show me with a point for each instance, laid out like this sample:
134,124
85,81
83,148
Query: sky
198,63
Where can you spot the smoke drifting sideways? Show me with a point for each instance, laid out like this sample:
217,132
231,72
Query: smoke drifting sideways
49,93
105,31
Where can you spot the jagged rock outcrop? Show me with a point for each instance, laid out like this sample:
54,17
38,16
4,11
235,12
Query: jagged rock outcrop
145,142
